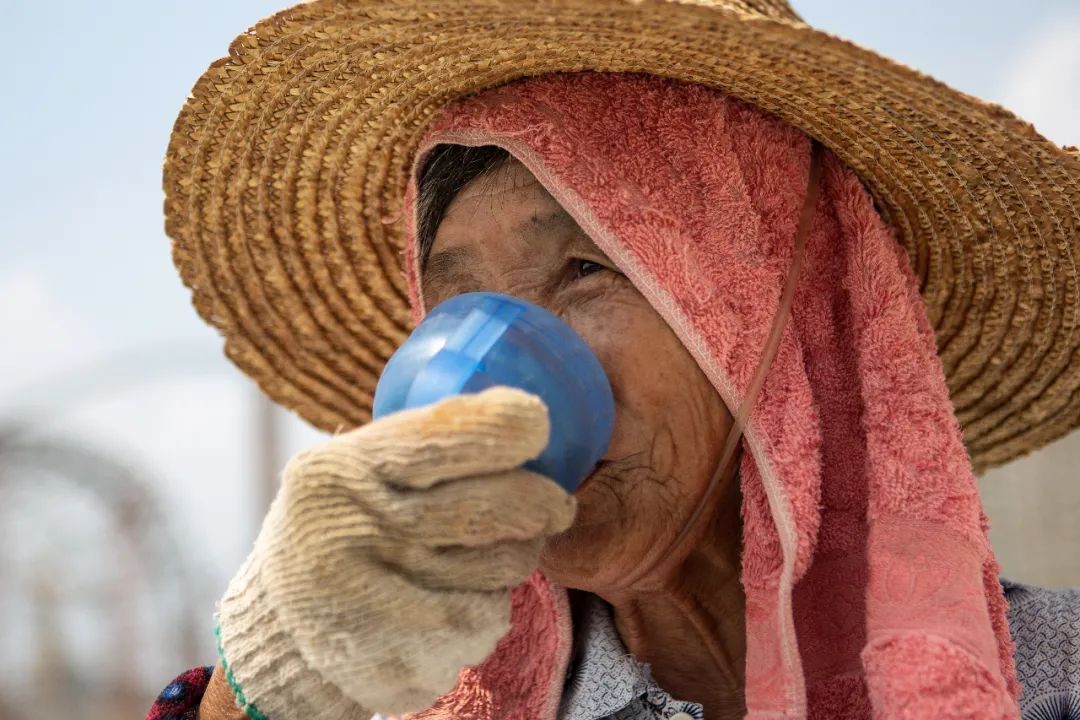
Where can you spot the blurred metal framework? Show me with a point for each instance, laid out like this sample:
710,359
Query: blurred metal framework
135,514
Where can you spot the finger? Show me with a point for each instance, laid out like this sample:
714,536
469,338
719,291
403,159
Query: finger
457,567
460,436
512,505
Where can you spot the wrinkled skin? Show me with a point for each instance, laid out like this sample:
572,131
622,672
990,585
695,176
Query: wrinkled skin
505,233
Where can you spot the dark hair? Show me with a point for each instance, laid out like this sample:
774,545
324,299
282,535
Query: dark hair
445,171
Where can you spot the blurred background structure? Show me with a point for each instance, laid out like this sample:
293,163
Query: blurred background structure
136,462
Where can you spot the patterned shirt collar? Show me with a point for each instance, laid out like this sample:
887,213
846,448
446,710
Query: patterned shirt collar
604,681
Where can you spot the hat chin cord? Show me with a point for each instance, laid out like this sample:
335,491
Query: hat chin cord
742,415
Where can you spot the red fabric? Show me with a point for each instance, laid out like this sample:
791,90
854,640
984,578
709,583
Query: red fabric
871,587
180,699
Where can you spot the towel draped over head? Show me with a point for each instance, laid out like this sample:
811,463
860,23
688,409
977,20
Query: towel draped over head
871,588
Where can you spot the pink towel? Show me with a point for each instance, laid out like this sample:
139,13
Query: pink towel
871,587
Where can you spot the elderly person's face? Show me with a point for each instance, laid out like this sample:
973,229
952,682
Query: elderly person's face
503,232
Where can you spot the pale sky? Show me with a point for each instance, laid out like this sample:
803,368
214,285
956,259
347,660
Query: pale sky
99,342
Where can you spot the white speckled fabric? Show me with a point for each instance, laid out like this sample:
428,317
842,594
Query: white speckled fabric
1045,625
605,682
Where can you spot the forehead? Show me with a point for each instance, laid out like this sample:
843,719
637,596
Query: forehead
506,209
508,194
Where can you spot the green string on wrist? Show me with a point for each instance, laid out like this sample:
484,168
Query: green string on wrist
249,709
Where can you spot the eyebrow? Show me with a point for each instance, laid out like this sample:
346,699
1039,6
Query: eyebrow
448,267
539,225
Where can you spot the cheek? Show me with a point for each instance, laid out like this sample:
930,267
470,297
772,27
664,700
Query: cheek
665,405
669,430
643,359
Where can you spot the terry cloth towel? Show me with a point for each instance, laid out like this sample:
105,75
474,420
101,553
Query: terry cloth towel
870,584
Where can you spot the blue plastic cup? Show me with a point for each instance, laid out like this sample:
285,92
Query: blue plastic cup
478,340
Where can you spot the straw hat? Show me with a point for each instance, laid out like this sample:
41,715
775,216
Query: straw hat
287,167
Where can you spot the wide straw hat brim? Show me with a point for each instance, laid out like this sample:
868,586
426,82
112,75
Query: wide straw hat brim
287,168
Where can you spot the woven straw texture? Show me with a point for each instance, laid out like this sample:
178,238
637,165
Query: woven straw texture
287,168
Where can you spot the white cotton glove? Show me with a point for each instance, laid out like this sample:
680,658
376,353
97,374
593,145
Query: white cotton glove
386,560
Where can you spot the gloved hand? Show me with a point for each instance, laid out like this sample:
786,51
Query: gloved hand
385,562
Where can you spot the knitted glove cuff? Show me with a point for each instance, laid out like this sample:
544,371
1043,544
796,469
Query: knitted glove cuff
266,672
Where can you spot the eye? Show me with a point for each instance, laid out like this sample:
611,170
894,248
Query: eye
583,268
